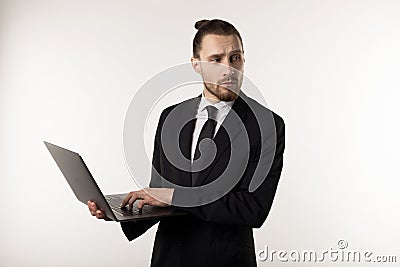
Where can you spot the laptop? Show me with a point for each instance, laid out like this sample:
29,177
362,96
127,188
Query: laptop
85,188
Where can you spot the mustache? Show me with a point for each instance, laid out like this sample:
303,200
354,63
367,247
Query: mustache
229,79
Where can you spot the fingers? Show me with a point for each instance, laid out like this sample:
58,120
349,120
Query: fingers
126,199
92,207
160,197
132,197
142,202
139,204
94,211
100,215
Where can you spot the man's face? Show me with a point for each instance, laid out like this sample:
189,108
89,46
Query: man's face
221,65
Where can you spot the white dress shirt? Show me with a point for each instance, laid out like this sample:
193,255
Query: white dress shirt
202,116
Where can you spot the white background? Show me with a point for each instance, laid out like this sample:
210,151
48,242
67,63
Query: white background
68,70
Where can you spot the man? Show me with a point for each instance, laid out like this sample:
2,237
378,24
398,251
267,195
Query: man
217,230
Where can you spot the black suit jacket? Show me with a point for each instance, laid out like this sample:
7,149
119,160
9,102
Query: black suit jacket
218,233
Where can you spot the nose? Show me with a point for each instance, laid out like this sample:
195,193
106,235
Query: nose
228,69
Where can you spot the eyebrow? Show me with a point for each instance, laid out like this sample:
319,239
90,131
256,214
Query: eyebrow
221,54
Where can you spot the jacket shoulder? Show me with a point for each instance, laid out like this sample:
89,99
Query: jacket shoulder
255,106
168,109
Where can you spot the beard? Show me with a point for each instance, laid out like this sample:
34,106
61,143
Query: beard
222,93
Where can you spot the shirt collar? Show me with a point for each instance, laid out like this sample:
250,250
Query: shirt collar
221,105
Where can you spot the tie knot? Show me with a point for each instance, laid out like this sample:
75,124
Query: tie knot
212,112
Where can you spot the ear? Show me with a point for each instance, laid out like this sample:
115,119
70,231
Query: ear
196,64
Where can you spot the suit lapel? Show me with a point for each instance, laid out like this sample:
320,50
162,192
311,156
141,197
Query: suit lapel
186,137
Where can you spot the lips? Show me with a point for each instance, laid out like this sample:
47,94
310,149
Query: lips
228,83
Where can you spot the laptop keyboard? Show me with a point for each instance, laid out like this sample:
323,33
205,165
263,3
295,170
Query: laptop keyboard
115,204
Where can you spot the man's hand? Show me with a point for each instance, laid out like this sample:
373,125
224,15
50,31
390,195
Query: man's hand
96,212
160,197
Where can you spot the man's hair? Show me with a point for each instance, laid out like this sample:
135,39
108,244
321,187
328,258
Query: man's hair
214,26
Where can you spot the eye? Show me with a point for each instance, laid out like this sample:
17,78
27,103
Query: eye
217,60
235,58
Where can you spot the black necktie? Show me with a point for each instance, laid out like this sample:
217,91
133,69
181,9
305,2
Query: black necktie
206,132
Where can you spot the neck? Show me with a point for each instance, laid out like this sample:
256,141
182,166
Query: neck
210,97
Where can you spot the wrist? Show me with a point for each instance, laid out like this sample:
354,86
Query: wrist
170,195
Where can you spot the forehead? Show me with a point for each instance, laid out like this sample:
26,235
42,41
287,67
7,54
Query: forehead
219,44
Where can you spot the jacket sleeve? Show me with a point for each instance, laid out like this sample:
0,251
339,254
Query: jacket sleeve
241,207
133,230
